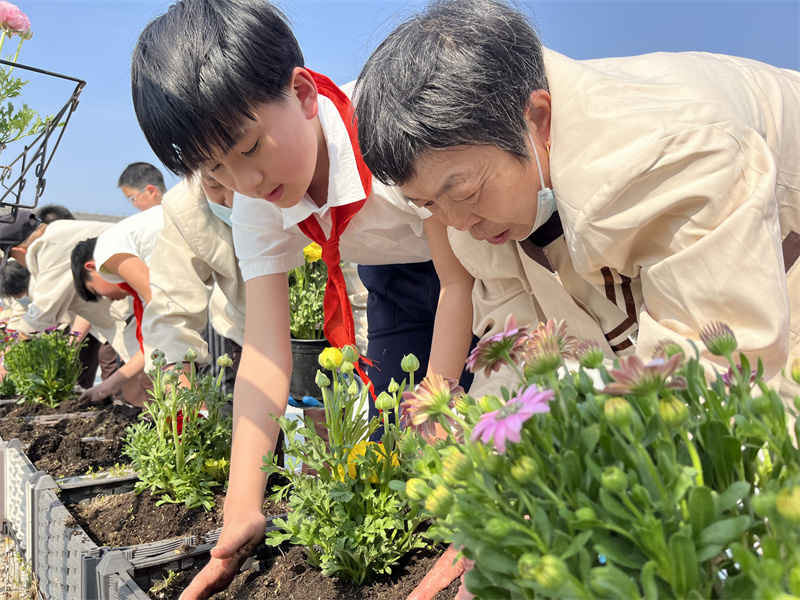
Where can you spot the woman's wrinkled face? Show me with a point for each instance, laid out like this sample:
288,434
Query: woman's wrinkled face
481,189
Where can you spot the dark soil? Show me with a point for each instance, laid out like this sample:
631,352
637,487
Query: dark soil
57,447
130,519
36,409
288,577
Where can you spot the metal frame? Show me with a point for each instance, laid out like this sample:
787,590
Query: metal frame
36,154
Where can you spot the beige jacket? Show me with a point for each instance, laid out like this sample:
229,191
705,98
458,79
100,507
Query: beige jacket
53,294
677,179
193,275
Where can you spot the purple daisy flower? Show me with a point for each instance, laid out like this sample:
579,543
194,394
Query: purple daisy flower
505,423
431,398
728,377
490,353
636,377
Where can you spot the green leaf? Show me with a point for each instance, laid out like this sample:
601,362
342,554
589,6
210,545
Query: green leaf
731,496
683,564
577,544
571,470
648,580
701,509
725,531
621,552
611,582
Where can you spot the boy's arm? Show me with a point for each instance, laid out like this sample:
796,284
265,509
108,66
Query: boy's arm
452,330
262,389
133,270
80,326
113,384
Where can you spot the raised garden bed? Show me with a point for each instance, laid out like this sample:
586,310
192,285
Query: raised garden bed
73,439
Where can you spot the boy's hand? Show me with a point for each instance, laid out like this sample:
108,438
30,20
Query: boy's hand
100,392
236,543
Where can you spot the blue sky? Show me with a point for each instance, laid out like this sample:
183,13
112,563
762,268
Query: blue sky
92,40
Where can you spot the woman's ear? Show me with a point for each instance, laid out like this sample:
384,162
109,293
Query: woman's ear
304,88
538,114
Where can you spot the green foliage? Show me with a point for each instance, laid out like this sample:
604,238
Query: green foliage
306,295
179,454
15,122
45,367
349,517
601,498
8,388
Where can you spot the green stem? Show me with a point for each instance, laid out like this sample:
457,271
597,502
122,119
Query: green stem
694,456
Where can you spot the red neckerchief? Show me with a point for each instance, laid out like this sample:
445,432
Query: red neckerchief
339,327
138,311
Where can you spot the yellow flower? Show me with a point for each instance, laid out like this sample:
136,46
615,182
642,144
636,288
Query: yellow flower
312,252
360,449
331,358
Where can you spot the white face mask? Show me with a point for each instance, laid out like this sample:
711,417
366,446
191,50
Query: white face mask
223,213
545,199
24,301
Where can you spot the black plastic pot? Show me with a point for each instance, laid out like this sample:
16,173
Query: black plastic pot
305,364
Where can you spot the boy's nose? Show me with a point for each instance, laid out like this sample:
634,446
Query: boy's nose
250,182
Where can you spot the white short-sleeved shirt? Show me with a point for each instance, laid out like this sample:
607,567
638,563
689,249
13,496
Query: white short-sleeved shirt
134,235
387,229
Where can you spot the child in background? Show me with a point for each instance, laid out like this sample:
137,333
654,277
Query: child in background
117,264
223,87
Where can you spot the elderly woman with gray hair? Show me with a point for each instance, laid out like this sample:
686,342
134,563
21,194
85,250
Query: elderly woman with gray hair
638,198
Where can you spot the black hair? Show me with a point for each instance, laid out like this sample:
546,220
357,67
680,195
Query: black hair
460,72
139,175
14,280
81,254
200,70
54,212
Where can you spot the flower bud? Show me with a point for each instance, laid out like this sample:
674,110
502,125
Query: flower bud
394,387
417,490
673,412
525,470
718,338
551,573
788,504
350,353
763,503
456,467
462,404
347,368
331,358
489,403
352,389
589,354
527,564
585,513
322,380
796,370
160,362
384,401
614,480
618,411
408,445
190,356
439,502
224,361
498,527
762,405
410,363
641,496
494,463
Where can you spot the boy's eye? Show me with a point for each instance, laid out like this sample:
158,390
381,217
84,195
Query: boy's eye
252,150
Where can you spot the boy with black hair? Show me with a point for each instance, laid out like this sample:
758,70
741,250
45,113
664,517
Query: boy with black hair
142,184
54,212
222,86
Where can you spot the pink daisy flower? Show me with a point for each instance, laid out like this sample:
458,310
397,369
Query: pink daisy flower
431,398
636,377
505,423
507,346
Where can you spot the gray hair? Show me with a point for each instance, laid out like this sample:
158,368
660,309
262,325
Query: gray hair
461,72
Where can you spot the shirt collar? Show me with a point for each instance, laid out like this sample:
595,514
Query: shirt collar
344,182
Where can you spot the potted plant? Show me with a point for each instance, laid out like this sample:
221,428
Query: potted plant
306,320
640,481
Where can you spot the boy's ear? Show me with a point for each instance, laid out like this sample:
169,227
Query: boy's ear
305,90
538,114
90,265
